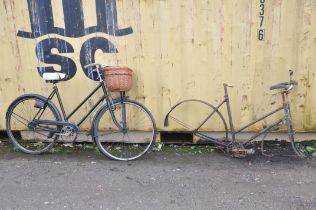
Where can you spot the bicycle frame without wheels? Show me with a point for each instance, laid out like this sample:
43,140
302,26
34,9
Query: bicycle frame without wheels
238,149
113,127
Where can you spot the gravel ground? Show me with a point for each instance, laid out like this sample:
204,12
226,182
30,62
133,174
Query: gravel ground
174,178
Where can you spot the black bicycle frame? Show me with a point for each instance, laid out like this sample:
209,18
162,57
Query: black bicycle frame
106,97
67,117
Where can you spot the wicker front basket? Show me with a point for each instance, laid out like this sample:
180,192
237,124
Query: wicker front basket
118,79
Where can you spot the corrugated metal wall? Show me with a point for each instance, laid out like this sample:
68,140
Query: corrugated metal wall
179,49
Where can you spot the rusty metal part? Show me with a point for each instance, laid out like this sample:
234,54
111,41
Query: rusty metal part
166,121
238,151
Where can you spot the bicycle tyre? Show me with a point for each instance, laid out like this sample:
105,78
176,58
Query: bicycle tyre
117,144
25,138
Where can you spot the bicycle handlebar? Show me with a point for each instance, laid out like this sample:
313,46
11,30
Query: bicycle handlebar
97,69
293,82
228,85
92,65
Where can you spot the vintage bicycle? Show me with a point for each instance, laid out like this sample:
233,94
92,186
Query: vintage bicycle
122,129
195,124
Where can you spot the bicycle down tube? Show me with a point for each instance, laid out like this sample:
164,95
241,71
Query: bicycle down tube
67,117
104,97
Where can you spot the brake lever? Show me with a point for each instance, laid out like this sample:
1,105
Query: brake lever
290,88
92,65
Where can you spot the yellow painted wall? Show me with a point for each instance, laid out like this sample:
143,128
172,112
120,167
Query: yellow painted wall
180,49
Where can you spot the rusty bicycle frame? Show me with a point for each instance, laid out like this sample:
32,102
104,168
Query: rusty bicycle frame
232,145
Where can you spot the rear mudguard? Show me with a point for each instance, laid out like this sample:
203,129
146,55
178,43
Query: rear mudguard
42,98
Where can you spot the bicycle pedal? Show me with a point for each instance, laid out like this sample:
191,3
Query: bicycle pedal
241,153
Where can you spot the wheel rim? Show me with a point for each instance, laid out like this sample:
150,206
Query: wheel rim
131,142
25,136
198,116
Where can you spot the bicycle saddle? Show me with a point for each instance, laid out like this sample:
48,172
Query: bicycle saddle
283,85
54,76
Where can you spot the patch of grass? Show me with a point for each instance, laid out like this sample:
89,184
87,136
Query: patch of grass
310,146
311,149
185,148
71,148
89,147
309,143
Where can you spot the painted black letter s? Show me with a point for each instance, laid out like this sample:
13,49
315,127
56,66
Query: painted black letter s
45,55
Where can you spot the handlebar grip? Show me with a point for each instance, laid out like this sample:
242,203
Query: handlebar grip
228,85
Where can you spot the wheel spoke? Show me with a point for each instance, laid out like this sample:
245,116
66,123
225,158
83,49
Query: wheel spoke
26,137
21,118
126,144
107,133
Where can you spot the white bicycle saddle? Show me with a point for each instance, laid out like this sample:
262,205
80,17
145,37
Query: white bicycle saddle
55,76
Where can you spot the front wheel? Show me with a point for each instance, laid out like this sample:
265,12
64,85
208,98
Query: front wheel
129,140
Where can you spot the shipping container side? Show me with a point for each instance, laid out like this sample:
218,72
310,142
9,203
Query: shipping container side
177,49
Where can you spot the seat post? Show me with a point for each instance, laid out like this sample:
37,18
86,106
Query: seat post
230,118
284,98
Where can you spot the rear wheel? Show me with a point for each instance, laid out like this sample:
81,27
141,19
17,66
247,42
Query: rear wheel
135,137
27,137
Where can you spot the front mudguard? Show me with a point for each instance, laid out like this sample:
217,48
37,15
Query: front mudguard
103,109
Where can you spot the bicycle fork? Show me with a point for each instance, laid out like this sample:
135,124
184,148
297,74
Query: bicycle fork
111,107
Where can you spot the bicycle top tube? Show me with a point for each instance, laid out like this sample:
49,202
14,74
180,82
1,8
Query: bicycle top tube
67,117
